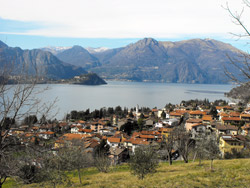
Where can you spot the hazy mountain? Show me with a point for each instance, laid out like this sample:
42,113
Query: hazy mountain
78,56
55,49
190,61
44,62
96,50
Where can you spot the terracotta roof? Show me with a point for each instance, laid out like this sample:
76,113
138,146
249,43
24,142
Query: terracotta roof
207,118
219,107
229,127
231,119
81,121
234,114
197,124
48,132
63,124
181,111
111,139
197,112
29,134
245,115
139,141
175,114
165,129
150,132
85,130
194,121
223,107
223,114
71,136
147,136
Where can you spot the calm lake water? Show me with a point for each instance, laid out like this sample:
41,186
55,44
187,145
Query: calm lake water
128,94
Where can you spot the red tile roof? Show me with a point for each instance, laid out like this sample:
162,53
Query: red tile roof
116,140
207,118
194,120
245,115
231,118
85,130
147,136
197,112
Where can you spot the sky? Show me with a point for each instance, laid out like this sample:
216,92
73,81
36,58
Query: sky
116,23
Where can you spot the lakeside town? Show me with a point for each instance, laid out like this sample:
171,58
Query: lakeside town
124,130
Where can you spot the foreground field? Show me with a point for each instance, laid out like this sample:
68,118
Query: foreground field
227,173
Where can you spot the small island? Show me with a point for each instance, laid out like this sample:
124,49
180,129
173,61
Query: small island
84,79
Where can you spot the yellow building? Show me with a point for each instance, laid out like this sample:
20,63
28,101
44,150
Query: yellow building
165,131
230,142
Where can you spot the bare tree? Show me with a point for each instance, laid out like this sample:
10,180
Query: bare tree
53,170
18,97
242,62
182,141
199,149
74,156
211,149
102,162
143,162
168,146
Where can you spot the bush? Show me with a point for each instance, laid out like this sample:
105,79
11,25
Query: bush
143,162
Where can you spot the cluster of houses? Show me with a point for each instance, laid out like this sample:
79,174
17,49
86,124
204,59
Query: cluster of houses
230,126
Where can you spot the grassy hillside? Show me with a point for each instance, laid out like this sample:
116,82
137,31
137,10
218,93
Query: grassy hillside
227,173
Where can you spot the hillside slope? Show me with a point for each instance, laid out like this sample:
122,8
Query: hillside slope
227,173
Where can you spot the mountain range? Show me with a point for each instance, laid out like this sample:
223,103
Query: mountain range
37,60
188,61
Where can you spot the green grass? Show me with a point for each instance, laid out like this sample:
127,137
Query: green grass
226,173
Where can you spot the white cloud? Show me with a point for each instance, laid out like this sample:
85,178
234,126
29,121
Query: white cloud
123,18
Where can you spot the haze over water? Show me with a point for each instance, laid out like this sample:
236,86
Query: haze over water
129,94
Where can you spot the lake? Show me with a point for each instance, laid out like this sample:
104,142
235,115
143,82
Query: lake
128,94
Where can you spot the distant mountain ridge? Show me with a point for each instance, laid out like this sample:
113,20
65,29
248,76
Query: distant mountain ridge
45,62
188,61
148,60
78,56
55,49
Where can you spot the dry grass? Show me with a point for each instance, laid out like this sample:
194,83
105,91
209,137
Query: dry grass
226,173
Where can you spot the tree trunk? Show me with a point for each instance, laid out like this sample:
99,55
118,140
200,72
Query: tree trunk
2,181
185,158
170,159
79,176
211,164
194,156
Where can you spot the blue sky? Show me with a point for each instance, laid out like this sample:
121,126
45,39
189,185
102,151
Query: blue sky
116,23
